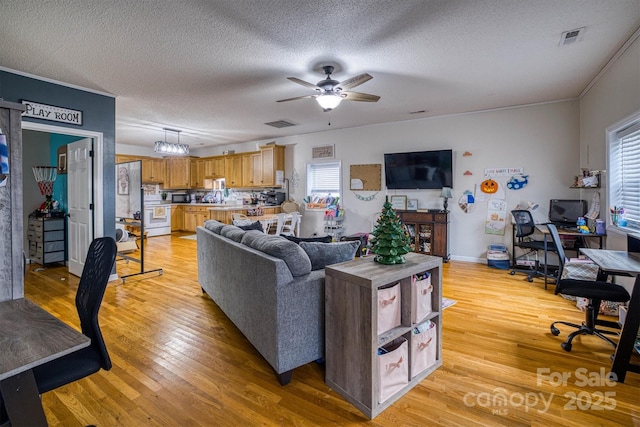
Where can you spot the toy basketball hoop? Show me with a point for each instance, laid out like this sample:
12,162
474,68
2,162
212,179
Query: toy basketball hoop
45,177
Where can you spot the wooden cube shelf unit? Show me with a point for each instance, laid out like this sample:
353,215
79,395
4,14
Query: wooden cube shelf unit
351,325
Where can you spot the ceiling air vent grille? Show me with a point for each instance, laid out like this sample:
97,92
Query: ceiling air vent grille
571,37
282,124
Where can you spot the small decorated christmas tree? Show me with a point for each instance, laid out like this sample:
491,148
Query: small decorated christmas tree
390,242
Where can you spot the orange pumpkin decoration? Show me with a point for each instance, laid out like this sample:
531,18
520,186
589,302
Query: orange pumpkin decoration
489,186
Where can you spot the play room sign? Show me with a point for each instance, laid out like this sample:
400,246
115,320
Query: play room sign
50,112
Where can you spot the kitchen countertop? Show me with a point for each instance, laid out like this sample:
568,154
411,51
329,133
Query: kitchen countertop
224,206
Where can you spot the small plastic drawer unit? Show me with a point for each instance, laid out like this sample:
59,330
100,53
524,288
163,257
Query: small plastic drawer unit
47,240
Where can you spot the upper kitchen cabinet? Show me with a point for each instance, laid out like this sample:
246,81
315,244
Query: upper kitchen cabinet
217,167
251,169
124,158
197,173
272,161
233,170
178,175
153,170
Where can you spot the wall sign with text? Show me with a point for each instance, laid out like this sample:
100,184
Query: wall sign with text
53,113
323,152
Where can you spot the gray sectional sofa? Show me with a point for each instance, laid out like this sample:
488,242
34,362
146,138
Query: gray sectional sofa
266,286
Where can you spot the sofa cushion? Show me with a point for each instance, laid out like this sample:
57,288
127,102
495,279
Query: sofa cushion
323,254
252,226
292,254
324,239
213,225
232,232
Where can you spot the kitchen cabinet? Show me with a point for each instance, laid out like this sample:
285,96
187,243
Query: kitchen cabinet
178,173
195,216
251,169
177,218
272,161
124,158
217,166
197,173
354,298
233,170
153,170
428,231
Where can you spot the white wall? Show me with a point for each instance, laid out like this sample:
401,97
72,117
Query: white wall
614,96
541,138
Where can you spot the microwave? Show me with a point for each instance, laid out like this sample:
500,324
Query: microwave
180,198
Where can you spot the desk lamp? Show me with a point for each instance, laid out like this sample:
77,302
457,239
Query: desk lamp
446,194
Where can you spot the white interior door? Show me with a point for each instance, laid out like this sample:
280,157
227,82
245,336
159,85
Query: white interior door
80,188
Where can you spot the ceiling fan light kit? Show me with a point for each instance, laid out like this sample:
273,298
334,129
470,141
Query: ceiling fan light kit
331,92
328,101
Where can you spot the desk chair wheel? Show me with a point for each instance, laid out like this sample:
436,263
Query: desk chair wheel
566,346
555,331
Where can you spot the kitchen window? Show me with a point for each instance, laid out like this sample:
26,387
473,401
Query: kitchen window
323,184
624,169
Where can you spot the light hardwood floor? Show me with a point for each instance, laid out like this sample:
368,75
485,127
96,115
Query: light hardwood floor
178,361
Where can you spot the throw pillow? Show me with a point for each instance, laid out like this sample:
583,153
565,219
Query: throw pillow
323,254
232,232
214,226
324,239
241,222
292,254
253,226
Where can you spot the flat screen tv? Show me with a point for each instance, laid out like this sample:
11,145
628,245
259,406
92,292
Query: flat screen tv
419,170
566,212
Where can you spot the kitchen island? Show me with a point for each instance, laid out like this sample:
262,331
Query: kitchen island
187,216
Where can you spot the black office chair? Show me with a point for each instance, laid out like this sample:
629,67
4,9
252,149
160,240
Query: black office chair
594,291
84,362
525,227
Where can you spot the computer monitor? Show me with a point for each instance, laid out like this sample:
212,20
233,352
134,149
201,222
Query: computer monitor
633,245
566,212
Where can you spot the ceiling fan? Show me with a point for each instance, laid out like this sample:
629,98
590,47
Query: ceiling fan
331,92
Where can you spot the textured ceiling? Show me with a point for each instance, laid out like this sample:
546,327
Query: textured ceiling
214,69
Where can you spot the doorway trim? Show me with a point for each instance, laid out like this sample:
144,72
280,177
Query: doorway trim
98,166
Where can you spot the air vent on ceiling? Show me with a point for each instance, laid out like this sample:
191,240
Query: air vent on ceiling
282,124
571,37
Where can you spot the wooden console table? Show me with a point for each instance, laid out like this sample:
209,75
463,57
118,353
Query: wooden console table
351,325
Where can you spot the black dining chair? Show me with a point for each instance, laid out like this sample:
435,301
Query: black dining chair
594,291
86,361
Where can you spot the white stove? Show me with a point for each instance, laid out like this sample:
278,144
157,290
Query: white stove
157,217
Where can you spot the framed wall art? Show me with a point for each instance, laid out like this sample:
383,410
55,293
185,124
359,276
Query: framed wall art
412,204
398,202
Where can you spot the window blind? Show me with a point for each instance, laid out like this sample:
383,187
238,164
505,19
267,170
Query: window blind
323,178
625,173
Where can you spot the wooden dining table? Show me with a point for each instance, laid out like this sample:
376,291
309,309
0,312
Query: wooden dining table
29,337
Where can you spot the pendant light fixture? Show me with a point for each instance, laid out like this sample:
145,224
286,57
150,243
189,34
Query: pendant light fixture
176,148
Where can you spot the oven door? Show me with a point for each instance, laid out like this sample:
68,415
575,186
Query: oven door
157,217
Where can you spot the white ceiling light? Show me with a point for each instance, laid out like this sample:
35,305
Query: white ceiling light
329,101
171,147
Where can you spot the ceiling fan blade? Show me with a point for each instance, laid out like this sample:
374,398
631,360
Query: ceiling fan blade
357,96
297,97
302,82
354,81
